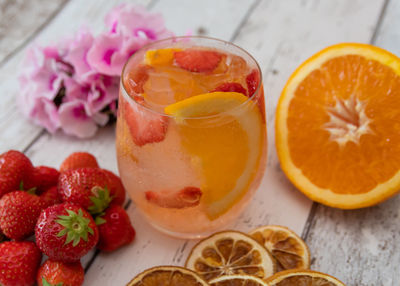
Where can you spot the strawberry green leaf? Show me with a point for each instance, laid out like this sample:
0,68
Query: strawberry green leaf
75,227
101,199
99,220
45,283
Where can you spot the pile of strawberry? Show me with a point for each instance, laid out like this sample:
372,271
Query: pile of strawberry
69,211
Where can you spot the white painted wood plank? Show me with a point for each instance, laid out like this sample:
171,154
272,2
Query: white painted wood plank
388,36
218,19
361,247
280,35
21,19
15,131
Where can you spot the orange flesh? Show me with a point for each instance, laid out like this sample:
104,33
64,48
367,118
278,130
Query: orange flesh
371,159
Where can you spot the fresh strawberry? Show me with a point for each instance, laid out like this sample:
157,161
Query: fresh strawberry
50,197
197,60
19,262
19,212
115,229
232,87
59,273
15,168
253,81
145,126
116,188
136,78
45,177
2,237
66,232
87,187
79,160
187,197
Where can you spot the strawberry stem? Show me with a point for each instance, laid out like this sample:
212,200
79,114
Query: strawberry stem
76,227
101,199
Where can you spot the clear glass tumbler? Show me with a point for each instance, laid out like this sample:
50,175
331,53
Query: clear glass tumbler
191,133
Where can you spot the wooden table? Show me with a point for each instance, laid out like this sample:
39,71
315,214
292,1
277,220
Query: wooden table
360,247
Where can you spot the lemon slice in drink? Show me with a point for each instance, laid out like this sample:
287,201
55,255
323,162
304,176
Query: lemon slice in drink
225,134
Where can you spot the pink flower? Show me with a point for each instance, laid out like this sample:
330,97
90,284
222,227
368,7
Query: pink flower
98,94
131,27
43,73
106,54
44,112
77,55
74,85
40,82
136,21
75,120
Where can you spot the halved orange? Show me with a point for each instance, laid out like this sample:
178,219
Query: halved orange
224,133
228,253
288,249
238,280
167,275
303,277
338,126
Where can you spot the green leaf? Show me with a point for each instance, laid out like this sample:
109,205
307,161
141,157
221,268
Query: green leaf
75,227
62,232
32,191
99,220
70,237
21,185
100,200
45,283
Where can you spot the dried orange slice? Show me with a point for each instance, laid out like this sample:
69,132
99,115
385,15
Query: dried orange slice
303,277
167,275
224,133
288,249
230,252
337,131
237,280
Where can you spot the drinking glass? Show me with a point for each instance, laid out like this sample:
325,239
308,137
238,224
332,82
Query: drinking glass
191,133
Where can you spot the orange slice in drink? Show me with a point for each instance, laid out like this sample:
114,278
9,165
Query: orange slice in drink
337,126
160,57
224,133
303,277
229,253
167,275
288,249
237,280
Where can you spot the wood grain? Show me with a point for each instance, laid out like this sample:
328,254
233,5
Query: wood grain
280,35
388,34
20,20
361,247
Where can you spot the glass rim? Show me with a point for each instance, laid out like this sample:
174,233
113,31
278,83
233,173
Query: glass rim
177,38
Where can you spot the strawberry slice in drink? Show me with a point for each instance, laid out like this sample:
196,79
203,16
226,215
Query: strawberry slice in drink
146,126
136,78
231,87
253,80
197,60
187,197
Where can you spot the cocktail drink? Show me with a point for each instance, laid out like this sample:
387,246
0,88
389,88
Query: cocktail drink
191,133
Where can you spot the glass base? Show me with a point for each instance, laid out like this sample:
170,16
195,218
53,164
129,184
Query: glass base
185,235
